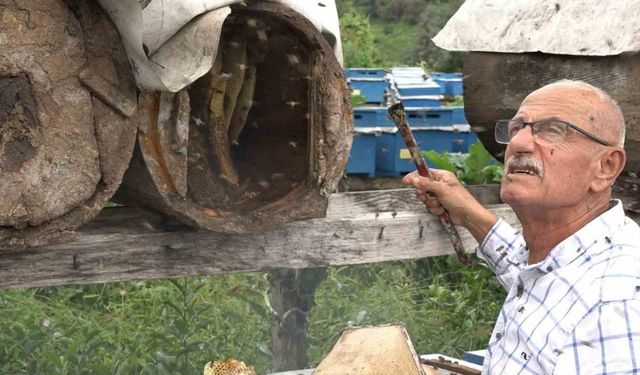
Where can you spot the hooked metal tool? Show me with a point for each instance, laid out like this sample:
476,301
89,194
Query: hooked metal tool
399,117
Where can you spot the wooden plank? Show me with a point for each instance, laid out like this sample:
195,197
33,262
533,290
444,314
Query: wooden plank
130,244
487,194
395,200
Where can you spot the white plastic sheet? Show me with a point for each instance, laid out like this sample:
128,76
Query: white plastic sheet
571,27
171,43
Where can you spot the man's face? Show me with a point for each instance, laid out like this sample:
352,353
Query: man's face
567,167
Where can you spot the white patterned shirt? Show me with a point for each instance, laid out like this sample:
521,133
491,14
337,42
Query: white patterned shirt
577,311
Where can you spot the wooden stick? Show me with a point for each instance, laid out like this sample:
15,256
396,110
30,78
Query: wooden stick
449,366
399,116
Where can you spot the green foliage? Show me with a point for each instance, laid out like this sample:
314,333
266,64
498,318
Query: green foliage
398,10
358,41
476,167
176,326
447,308
357,100
433,18
156,327
458,101
396,42
401,32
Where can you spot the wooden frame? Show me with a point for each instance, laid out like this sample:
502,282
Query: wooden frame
132,244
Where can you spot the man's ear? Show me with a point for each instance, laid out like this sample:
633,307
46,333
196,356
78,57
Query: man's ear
611,163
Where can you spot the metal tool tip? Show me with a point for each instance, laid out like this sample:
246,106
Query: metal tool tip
395,107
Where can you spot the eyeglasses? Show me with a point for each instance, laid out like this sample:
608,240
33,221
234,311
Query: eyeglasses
549,131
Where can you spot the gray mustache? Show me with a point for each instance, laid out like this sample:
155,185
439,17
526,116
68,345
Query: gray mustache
522,162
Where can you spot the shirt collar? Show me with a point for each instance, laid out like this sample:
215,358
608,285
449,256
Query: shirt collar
596,231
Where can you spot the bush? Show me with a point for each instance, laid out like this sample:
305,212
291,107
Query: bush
473,168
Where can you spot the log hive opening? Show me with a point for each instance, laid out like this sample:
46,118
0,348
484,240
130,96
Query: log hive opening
63,151
265,133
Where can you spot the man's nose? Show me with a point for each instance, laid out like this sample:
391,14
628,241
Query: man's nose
523,141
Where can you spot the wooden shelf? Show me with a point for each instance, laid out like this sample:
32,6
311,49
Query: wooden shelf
133,244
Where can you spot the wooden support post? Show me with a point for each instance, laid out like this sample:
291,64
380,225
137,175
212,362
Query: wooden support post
291,296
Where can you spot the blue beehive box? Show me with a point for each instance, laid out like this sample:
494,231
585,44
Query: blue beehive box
476,356
451,87
373,89
424,116
418,89
435,75
365,73
393,157
362,159
421,101
462,141
371,117
458,116
451,83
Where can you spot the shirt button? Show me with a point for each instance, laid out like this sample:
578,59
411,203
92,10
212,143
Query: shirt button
498,335
520,290
549,268
521,309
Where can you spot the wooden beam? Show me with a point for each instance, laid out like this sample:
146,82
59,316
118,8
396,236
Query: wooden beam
132,244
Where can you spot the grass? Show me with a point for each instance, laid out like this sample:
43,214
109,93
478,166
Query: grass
176,326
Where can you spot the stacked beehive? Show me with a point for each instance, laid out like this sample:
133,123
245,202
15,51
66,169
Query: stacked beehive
377,148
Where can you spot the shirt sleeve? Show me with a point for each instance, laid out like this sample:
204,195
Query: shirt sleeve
504,250
606,341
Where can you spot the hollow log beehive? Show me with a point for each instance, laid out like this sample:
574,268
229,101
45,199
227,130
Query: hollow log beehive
260,140
522,45
67,118
496,83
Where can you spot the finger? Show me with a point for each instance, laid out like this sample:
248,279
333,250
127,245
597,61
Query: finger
424,195
437,211
432,202
424,184
440,174
406,180
421,195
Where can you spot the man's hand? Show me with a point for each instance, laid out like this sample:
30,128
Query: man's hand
448,193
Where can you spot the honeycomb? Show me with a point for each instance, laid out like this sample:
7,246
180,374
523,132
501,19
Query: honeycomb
228,367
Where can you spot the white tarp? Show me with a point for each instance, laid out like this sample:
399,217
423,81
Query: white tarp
570,27
169,47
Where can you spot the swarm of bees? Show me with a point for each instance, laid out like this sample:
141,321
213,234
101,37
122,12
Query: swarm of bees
228,367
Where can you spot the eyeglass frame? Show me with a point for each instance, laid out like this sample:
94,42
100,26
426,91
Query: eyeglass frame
524,124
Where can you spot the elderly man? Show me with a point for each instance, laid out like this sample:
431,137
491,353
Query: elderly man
573,273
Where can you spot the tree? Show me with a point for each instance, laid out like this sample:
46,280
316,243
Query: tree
432,20
358,41
399,10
